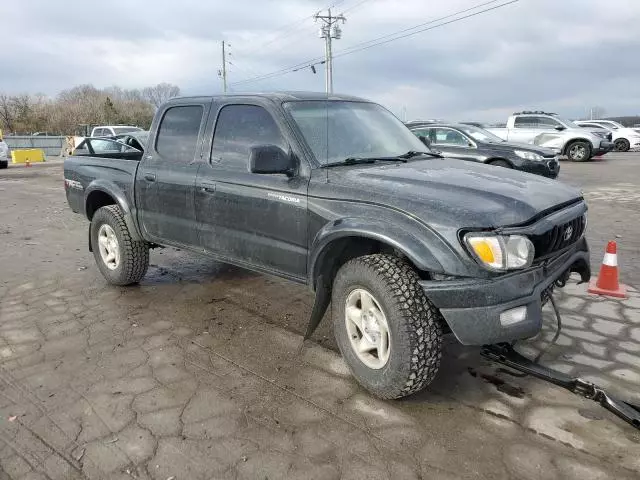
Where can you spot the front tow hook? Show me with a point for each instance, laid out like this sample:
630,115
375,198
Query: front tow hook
505,354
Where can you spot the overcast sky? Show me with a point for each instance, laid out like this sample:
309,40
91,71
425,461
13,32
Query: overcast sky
559,55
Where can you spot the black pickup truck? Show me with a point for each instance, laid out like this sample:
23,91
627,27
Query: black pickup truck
335,192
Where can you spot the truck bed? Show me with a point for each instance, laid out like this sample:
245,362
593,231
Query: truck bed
83,173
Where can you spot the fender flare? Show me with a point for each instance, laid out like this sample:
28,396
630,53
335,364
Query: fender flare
413,248
115,192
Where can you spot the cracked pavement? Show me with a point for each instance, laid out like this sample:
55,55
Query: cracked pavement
200,371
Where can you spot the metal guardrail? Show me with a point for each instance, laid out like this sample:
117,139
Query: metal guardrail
52,146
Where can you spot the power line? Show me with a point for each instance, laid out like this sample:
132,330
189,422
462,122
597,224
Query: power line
377,41
297,25
353,7
430,22
341,54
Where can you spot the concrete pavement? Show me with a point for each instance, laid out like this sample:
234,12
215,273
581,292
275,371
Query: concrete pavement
200,373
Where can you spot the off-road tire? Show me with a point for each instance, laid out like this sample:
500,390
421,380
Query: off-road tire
134,255
500,163
622,145
415,325
587,147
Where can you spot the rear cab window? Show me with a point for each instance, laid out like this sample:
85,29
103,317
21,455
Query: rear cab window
240,127
177,138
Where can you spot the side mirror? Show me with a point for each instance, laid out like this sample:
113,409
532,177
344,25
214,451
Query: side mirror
425,140
559,128
270,160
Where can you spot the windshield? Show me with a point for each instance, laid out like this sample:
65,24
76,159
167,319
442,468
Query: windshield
612,124
119,130
480,134
337,130
567,123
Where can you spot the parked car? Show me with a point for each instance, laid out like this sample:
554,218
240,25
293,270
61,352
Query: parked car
136,140
5,154
336,193
551,131
623,138
107,148
113,130
468,142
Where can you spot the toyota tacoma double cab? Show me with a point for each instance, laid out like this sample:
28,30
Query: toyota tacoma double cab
559,134
336,193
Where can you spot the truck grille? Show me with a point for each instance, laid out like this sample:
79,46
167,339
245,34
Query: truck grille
559,237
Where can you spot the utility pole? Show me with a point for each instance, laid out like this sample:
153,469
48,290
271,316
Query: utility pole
329,30
224,70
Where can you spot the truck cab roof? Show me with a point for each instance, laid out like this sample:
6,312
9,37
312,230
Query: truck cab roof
274,96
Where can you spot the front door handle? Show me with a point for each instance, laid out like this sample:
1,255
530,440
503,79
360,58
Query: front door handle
208,187
150,177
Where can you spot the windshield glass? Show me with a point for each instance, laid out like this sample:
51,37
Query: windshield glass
119,130
612,124
567,123
480,134
337,130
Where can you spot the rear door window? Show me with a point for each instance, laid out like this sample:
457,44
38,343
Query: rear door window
525,122
240,127
177,138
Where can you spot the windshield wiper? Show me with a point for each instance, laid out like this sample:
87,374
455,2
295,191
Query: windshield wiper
398,158
415,153
361,160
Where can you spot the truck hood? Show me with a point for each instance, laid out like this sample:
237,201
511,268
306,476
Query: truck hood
455,192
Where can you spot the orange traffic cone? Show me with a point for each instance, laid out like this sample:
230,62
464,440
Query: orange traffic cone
607,281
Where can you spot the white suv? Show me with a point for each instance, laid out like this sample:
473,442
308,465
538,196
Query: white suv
113,130
623,138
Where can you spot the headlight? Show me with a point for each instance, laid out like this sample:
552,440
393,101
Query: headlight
528,155
498,252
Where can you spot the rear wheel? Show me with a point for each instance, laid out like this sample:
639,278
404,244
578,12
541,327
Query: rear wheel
4,164
579,151
121,260
388,332
622,145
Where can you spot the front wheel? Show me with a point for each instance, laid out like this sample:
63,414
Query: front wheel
4,164
121,260
579,151
622,145
500,163
388,332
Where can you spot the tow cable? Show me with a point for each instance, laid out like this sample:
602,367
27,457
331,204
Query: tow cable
505,354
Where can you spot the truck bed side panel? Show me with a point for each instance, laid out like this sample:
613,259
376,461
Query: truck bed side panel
85,175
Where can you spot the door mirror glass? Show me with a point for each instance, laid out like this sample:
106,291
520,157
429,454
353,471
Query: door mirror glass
270,159
559,127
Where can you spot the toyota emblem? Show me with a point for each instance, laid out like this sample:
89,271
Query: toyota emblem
568,232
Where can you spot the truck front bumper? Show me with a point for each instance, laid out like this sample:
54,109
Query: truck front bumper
505,308
604,147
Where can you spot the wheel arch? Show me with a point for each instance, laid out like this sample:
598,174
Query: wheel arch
101,193
491,160
348,238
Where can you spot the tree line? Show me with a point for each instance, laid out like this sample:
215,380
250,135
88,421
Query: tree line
75,110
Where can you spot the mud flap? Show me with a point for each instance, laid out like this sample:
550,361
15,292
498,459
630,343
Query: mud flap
504,354
90,246
323,297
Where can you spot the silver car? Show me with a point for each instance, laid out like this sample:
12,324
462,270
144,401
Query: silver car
554,132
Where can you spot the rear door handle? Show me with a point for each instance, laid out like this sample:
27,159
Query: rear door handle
150,177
